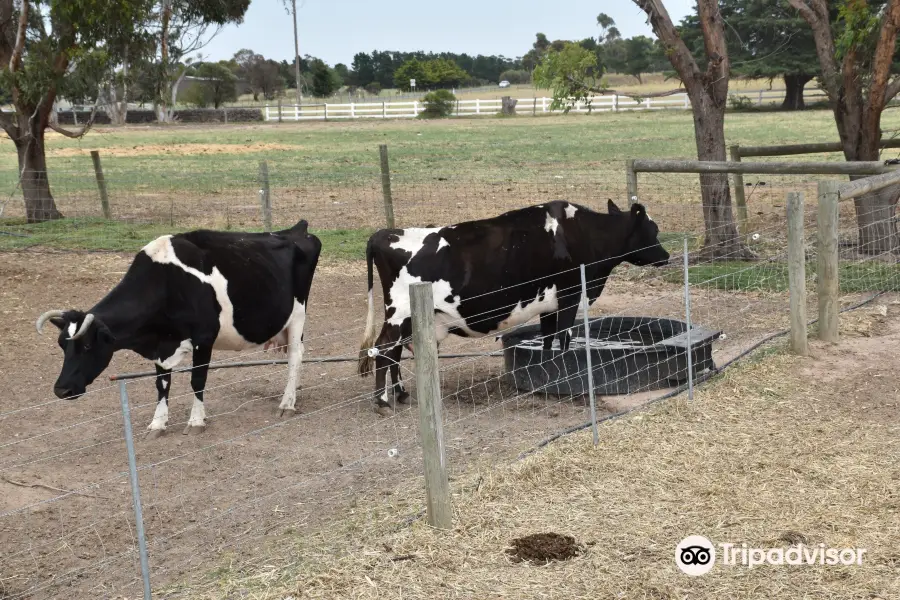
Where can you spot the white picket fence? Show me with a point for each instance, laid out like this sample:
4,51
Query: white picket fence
469,108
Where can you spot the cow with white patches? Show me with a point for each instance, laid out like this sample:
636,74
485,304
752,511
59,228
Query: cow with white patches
497,273
187,294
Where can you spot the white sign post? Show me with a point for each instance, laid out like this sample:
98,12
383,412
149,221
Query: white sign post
412,84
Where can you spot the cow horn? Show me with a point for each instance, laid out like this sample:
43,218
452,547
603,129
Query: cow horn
42,320
84,327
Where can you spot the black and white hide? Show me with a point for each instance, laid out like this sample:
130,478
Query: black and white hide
187,294
493,274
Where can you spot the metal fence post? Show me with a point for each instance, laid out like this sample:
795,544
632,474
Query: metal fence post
827,271
428,388
265,199
101,184
797,273
631,182
687,317
135,491
386,186
587,353
739,199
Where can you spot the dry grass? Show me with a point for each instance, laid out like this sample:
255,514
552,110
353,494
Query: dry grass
765,455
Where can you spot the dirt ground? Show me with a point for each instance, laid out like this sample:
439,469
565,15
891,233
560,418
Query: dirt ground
781,451
66,525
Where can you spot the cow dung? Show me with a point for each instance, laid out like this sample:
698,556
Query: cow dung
542,548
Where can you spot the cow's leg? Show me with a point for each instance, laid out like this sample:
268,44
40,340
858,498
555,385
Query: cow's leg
197,421
287,408
548,329
565,320
157,426
388,355
400,393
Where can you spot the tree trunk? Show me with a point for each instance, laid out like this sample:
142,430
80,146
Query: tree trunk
875,221
722,240
39,203
877,229
793,97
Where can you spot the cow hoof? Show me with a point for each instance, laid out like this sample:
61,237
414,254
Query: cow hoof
194,429
403,398
384,411
285,413
154,434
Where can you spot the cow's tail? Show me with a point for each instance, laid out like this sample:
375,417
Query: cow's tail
366,362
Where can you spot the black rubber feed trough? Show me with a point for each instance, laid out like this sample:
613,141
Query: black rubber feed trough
628,355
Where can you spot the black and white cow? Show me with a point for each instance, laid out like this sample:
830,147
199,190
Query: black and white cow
188,294
496,273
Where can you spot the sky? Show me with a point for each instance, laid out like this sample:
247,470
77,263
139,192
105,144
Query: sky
335,30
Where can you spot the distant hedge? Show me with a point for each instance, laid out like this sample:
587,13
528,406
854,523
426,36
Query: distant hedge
189,115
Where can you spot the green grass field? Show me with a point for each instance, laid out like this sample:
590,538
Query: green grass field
328,172
179,157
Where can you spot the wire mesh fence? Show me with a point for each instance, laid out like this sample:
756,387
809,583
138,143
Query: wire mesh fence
245,497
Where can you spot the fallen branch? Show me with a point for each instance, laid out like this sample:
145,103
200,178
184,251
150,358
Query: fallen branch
71,134
605,91
48,487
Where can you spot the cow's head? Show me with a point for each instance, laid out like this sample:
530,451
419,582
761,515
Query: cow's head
88,346
642,246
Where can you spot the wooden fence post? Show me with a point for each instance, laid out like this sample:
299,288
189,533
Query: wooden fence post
101,184
827,271
428,393
386,186
631,182
265,199
797,273
739,199
279,109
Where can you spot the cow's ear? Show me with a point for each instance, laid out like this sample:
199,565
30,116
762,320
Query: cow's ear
105,335
638,212
612,208
59,322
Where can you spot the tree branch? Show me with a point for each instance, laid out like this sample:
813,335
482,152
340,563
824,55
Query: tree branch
883,59
678,53
71,134
893,88
83,131
816,15
603,92
713,27
8,124
16,58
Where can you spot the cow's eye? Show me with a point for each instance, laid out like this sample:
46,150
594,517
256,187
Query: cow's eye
87,346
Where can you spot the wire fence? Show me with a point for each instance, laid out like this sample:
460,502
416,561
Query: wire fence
243,500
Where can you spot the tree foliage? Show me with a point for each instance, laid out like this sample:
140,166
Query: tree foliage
218,82
438,104
516,76
381,66
48,49
571,75
324,80
429,74
766,39
262,76
183,27
856,47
